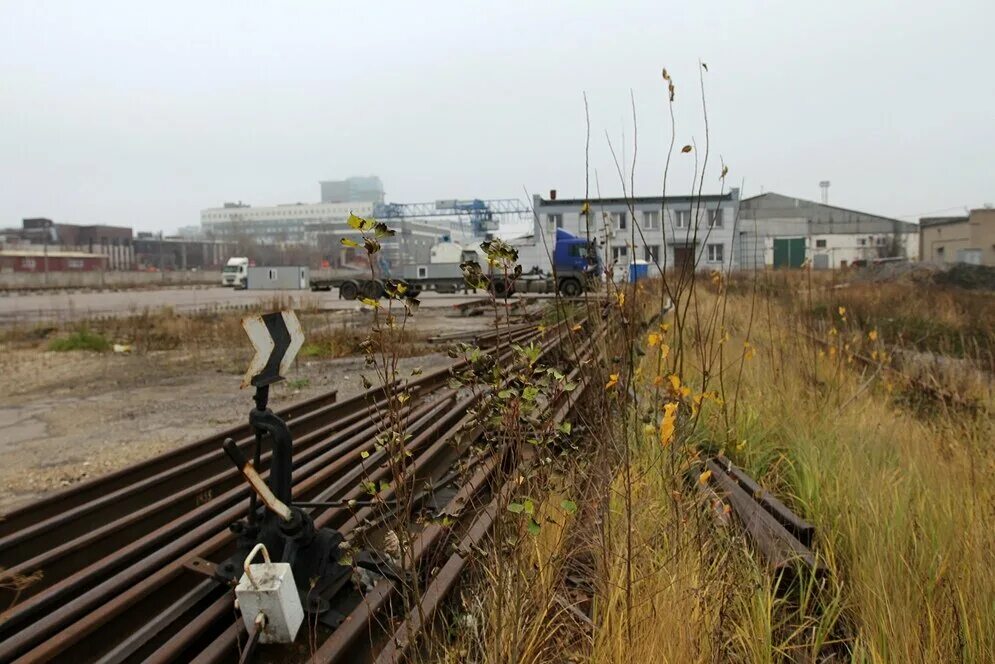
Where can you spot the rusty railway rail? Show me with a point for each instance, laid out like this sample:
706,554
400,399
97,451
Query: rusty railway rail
783,539
127,560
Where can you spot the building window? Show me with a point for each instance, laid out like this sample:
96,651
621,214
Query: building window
28,263
620,220
74,264
683,218
879,241
862,242
820,244
715,253
651,220
652,252
715,218
555,220
620,252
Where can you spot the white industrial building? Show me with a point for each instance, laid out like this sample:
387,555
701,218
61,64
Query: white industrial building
678,230
294,223
320,225
782,231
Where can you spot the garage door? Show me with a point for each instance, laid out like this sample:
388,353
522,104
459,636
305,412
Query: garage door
789,252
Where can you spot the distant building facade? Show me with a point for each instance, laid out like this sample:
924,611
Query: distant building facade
967,239
322,226
296,223
679,231
114,242
352,190
49,260
179,253
782,231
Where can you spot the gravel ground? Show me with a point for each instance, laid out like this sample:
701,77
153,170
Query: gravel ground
70,416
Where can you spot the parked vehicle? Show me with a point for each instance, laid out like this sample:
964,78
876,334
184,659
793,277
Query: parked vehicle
576,263
235,272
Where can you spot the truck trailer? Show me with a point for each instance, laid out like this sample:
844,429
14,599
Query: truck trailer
574,268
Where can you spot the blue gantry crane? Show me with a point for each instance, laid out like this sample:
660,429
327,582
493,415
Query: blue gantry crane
482,215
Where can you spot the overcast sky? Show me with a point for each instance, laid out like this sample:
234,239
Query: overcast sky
132,114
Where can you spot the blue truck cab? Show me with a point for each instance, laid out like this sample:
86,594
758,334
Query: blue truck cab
576,262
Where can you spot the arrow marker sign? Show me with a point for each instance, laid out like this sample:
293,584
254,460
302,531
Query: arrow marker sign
276,337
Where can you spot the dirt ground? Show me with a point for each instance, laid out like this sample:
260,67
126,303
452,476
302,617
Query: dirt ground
70,416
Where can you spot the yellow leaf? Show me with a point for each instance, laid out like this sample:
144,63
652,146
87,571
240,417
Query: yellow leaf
704,477
354,221
621,298
350,243
748,350
873,335
842,311
612,381
370,302
833,332
664,327
658,381
585,208
675,383
664,351
668,425
653,339
741,444
541,329
576,328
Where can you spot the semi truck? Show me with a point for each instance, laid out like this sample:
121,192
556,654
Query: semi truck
235,272
575,263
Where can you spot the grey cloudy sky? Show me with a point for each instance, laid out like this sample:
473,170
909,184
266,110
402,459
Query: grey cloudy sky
133,114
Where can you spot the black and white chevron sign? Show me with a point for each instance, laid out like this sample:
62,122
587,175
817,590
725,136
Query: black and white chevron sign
276,337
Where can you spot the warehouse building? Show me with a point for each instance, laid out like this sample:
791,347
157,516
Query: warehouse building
676,231
782,231
51,260
968,239
180,253
114,242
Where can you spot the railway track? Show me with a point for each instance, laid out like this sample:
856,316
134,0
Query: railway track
133,565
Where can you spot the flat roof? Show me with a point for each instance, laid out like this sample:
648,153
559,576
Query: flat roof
637,200
34,253
925,222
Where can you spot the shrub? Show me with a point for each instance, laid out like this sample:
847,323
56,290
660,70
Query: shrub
82,339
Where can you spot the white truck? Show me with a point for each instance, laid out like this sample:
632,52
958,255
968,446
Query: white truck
235,272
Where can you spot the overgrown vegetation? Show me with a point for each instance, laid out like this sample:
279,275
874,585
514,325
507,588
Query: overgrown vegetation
81,339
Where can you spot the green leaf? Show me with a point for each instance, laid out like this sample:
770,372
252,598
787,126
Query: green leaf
380,229
354,221
569,387
569,506
534,527
507,394
530,393
364,454
515,508
530,507
350,243
566,428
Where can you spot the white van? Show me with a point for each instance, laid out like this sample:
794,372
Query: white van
235,272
